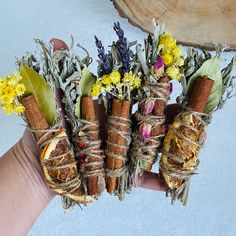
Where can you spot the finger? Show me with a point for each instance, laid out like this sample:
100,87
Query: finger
150,180
29,142
58,44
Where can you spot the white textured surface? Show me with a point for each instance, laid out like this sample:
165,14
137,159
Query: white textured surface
211,209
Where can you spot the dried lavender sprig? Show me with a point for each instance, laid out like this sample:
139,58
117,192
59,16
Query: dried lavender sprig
106,65
122,47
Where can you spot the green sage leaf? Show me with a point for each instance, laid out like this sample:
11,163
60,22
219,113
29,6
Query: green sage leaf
210,68
37,86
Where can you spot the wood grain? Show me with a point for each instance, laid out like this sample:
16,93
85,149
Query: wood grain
193,23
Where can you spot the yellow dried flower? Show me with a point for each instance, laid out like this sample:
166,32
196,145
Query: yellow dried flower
6,99
115,77
167,43
177,52
19,89
106,79
174,73
128,77
97,88
179,62
10,90
167,59
8,109
14,78
136,82
19,109
131,80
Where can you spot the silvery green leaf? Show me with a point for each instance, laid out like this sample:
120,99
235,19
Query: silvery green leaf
58,55
228,83
142,59
131,44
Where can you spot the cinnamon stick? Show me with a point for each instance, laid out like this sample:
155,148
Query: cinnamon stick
200,94
34,115
160,105
121,109
159,110
95,184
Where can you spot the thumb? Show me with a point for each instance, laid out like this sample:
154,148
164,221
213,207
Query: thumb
58,44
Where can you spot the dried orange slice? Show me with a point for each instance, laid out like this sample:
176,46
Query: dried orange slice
60,169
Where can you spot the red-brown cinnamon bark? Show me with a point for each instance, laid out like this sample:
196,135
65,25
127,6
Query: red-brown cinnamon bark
35,117
94,185
200,94
121,109
159,110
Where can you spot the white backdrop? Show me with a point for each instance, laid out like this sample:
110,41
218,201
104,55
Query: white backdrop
211,209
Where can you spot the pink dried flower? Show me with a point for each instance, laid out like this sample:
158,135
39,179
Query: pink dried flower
145,130
159,67
147,106
81,145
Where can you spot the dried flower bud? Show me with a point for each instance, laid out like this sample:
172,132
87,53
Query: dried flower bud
81,145
145,130
147,106
82,158
159,67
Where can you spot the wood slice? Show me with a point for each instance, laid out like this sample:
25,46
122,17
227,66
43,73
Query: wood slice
192,22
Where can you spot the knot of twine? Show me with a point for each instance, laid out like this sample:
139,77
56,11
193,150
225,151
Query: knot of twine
159,91
114,122
180,173
68,185
92,148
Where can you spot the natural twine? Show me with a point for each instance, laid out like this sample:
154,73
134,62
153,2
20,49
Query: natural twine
146,150
159,91
122,173
92,149
183,174
68,186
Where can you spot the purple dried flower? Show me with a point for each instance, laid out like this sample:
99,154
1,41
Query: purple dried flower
122,47
106,65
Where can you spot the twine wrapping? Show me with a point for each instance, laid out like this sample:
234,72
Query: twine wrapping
94,156
180,171
145,151
62,163
122,173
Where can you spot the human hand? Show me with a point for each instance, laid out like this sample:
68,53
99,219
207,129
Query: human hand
147,180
